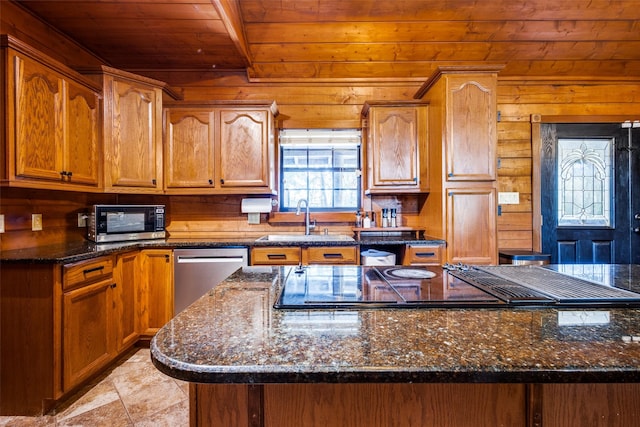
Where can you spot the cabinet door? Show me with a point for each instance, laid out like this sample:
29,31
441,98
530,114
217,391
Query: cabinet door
87,332
125,296
472,228
82,149
156,290
39,139
394,146
189,149
244,153
132,145
471,139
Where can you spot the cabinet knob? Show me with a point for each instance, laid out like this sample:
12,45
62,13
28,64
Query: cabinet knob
210,182
153,181
221,181
113,285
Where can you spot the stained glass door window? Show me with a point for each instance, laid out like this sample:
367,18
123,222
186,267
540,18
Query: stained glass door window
585,182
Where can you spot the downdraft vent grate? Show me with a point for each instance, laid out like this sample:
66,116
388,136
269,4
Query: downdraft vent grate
501,288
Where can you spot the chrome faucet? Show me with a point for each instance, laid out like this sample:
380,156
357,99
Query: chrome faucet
307,226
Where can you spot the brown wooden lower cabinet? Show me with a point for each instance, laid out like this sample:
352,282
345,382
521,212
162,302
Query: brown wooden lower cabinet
155,303
60,325
88,331
330,255
277,255
126,297
294,255
423,254
421,404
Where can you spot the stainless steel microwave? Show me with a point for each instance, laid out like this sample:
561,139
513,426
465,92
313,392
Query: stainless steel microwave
114,223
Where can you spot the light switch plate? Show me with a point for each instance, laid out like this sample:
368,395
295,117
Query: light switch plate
508,198
36,222
82,220
1,223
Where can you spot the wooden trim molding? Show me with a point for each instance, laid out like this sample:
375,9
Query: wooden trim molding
536,209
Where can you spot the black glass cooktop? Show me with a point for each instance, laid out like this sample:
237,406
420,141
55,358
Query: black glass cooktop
377,287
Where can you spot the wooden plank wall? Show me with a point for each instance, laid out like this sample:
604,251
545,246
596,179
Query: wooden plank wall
322,104
518,102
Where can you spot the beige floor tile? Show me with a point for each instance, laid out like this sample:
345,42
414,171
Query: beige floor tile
141,404
102,394
174,416
44,421
132,393
110,415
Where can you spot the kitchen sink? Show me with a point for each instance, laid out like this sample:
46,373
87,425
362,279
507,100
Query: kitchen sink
305,238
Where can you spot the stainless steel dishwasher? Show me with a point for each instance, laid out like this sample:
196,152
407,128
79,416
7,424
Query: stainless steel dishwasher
196,271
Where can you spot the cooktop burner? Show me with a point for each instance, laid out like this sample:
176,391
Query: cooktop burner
408,273
376,287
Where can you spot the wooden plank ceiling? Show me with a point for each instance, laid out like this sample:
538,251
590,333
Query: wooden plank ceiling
289,40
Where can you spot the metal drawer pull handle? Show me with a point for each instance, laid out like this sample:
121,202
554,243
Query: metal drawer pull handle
425,254
333,256
91,270
276,256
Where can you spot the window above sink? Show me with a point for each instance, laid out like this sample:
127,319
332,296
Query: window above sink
322,166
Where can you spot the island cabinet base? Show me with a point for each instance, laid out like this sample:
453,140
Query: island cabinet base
370,405
422,404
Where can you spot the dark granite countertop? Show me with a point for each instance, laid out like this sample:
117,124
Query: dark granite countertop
78,251
233,334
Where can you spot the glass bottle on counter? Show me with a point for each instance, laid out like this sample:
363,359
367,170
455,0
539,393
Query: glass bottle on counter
358,219
394,222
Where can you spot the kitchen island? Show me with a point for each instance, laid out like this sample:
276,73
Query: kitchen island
250,364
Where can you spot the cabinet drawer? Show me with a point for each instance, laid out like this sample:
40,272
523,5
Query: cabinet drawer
422,255
275,256
332,255
86,271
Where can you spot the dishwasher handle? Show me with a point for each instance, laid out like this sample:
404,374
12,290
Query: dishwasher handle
200,259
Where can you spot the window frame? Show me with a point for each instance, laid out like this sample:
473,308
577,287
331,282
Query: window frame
331,139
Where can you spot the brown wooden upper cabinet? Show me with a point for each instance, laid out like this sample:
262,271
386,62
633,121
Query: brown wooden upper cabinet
51,138
397,147
132,131
220,148
468,119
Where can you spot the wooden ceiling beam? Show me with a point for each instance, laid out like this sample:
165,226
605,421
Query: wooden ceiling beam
229,11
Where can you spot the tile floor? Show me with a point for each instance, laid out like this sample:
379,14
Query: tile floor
132,393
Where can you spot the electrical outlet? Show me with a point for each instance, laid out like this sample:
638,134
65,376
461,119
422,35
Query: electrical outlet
36,222
1,223
82,220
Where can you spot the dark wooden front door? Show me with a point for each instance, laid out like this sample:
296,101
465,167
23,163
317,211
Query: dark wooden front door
590,193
